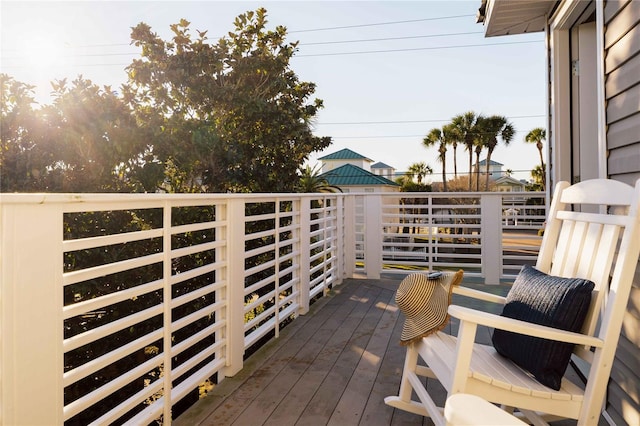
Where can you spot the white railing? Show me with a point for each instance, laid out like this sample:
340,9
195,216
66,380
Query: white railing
489,235
115,307
109,301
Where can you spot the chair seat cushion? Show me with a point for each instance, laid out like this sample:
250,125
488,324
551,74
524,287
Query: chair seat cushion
546,300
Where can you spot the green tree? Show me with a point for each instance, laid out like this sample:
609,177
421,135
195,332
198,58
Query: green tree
93,139
419,171
311,181
452,136
230,116
493,128
537,175
466,125
536,136
22,162
436,137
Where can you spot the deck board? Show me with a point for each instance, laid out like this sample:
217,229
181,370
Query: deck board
333,366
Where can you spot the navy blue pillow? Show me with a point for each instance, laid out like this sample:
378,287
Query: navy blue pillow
547,300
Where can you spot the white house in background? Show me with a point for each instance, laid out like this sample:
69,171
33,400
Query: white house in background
343,157
352,172
385,170
502,181
495,169
508,184
350,178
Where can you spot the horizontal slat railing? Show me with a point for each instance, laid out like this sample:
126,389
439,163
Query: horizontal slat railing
144,298
139,297
489,235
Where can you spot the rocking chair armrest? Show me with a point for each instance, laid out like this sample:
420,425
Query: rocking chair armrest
480,295
522,327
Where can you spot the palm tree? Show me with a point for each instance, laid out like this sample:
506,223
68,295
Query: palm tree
419,170
478,146
537,174
495,127
311,181
466,125
451,137
434,137
536,136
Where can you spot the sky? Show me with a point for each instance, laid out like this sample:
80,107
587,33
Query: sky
387,71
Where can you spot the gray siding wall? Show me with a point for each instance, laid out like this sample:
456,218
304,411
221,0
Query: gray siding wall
622,91
622,88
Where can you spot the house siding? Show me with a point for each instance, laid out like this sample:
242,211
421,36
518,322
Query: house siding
622,93
622,89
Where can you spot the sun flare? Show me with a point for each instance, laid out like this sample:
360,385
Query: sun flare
42,53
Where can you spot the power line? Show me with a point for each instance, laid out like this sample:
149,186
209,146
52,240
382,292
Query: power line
389,136
389,38
79,55
415,121
316,29
417,48
303,56
383,23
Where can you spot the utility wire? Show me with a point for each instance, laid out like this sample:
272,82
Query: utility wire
389,38
414,121
381,137
79,55
309,30
382,23
308,55
416,49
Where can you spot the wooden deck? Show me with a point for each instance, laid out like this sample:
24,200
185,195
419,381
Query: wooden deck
333,366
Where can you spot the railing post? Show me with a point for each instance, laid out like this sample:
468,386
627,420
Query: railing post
348,235
491,231
235,285
373,235
304,267
339,240
31,323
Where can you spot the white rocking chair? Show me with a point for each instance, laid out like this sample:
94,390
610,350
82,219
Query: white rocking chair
601,247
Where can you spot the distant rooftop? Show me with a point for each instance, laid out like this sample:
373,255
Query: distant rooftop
345,154
509,180
350,175
491,163
381,165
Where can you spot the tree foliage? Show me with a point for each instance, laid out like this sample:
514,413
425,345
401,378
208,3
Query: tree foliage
536,136
194,116
477,133
22,160
437,137
311,181
466,128
419,171
491,129
230,116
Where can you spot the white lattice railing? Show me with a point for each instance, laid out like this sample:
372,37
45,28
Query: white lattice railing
115,307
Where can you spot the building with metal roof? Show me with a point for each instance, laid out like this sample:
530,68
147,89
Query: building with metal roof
352,178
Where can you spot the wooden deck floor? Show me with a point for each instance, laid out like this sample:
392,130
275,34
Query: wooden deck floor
333,366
